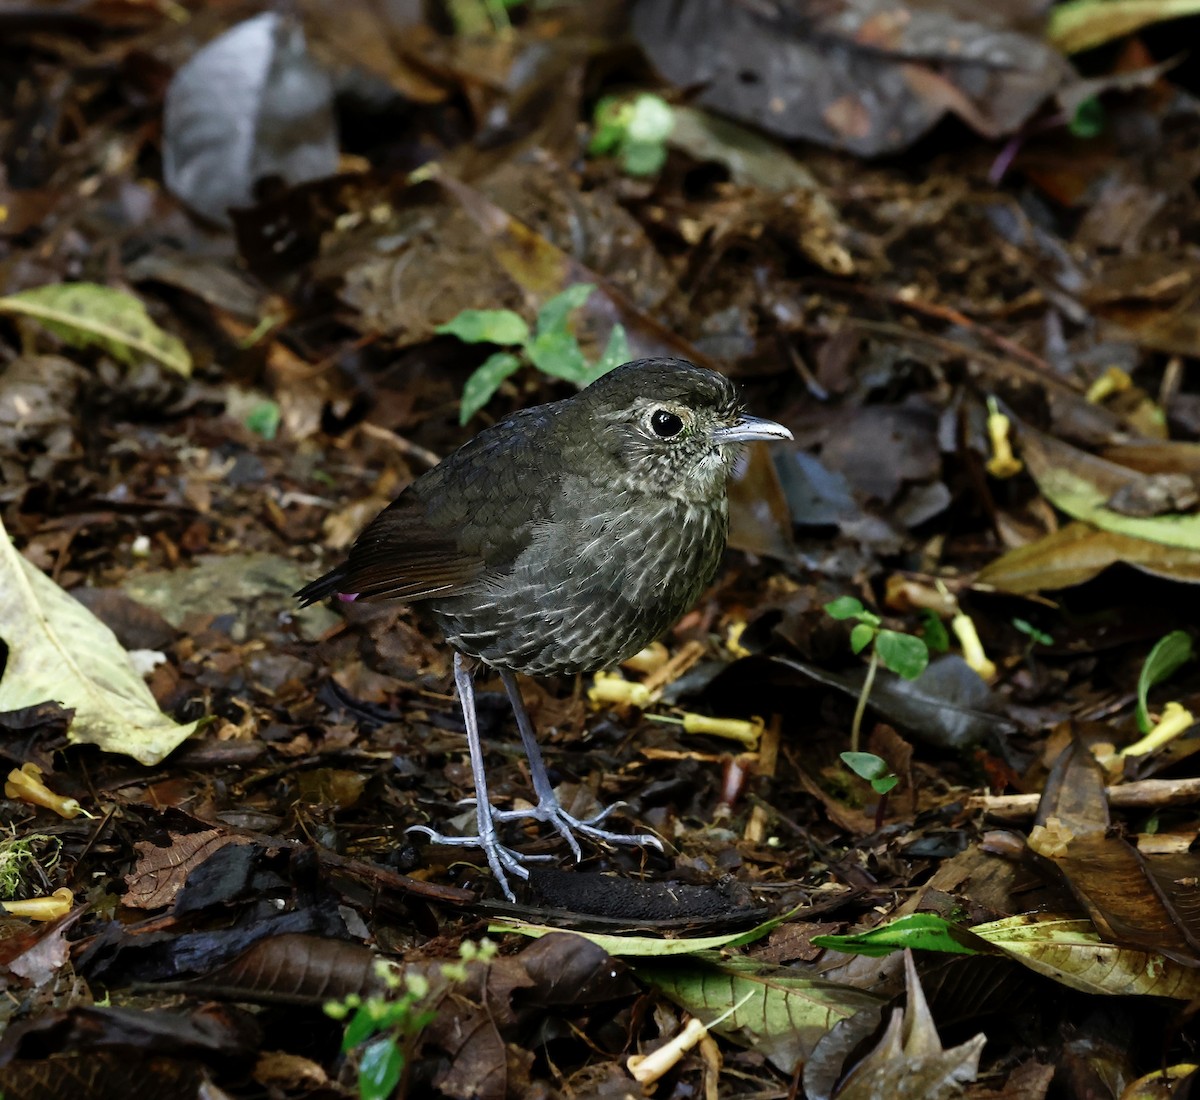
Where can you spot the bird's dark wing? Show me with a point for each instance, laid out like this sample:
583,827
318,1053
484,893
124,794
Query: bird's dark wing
399,556
465,519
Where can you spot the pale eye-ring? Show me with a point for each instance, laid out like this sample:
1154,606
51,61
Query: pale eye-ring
665,423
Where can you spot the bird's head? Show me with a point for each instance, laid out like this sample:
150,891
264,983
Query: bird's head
667,426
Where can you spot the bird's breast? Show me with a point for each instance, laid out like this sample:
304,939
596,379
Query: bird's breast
597,581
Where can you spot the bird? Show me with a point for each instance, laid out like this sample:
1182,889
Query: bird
562,539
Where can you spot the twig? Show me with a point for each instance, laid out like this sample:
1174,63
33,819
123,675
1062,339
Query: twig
1142,794
405,446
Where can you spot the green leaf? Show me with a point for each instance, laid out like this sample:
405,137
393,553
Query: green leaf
1039,636
557,353
643,158
933,631
902,653
552,317
1088,120
616,352
651,120
844,607
487,326
484,382
380,1069
924,931
263,419
59,651
884,783
866,765
361,1027
862,636
90,315
610,118
1168,654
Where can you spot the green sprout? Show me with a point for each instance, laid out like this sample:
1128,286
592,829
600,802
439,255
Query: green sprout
903,654
1089,119
551,347
384,1028
478,18
933,631
1169,652
635,129
263,420
874,769
1035,636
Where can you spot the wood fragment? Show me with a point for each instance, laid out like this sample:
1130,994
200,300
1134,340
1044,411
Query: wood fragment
1141,794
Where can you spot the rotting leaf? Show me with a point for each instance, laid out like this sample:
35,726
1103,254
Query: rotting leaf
1168,654
784,1016
1067,949
1070,950
567,969
1080,25
854,76
297,969
160,872
1107,874
947,705
910,1060
621,946
249,104
1081,485
58,650
90,315
1076,553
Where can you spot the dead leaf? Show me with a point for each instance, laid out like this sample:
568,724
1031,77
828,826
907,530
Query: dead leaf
160,873
909,1061
58,650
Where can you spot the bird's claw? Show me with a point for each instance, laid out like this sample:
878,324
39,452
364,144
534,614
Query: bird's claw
503,861
550,812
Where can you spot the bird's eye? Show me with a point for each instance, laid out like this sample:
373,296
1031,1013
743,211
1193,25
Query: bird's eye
665,423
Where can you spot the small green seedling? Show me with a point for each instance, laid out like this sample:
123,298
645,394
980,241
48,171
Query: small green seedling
635,129
1089,119
933,631
551,347
1035,636
903,654
263,420
1169,652
384,1028
874,769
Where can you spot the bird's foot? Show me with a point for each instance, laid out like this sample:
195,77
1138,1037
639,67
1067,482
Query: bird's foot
503,861
550,812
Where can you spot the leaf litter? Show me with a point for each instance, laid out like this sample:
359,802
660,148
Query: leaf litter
983,347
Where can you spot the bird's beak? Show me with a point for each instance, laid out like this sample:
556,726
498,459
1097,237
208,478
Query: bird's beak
746,428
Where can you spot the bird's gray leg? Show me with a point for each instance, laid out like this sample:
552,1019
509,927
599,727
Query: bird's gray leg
500,858
548,808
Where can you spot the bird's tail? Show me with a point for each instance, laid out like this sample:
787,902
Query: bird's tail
331,584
